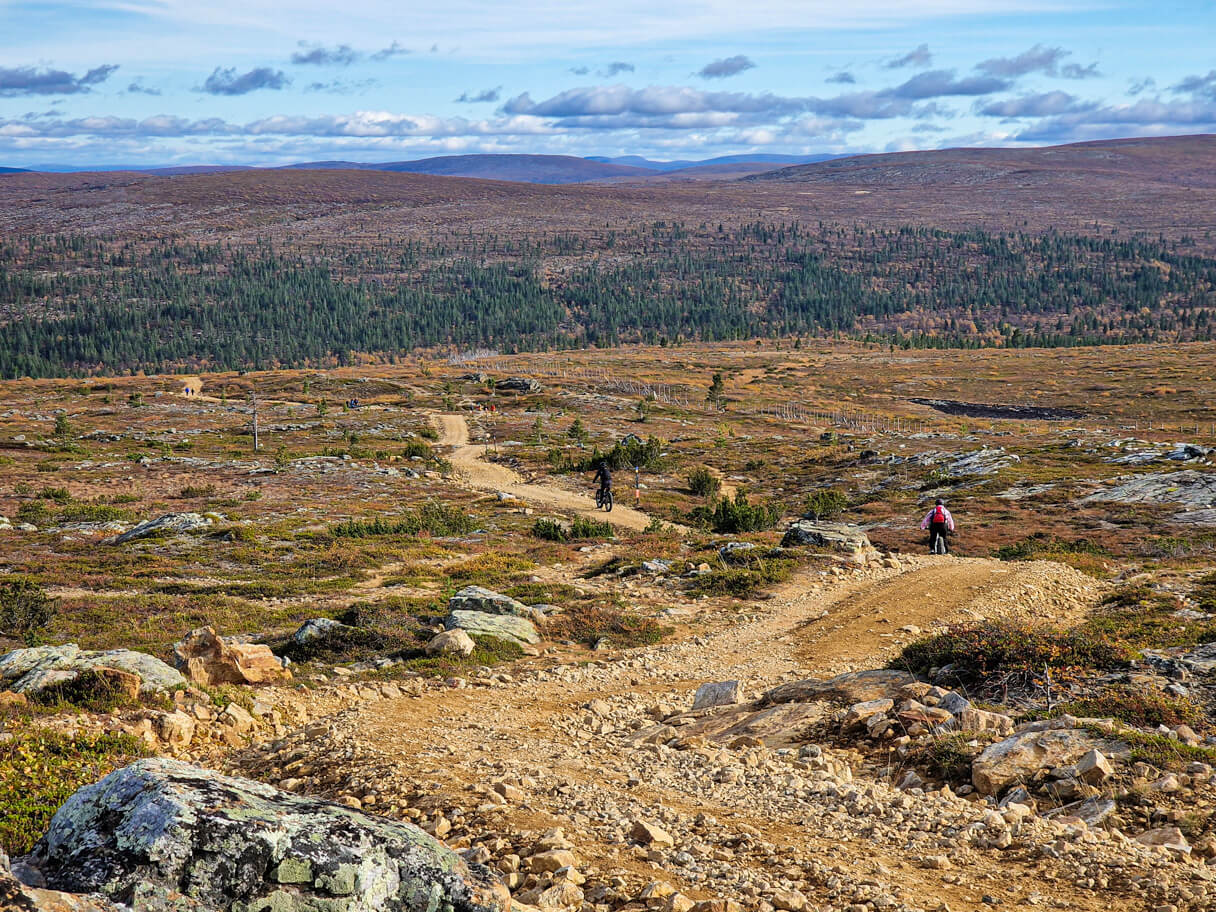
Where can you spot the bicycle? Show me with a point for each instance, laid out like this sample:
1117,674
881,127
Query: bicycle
603,499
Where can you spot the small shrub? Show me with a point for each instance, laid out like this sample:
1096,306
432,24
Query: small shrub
738,515
1137,706
588,623
488,569
744,581
35,512
947,757
39,771
91,690
704,483
432,518
191,492
585,528
993,656
25,610
827,503
1137,617
550,530
419,448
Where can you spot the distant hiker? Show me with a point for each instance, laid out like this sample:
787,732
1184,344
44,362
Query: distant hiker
938,521
603,475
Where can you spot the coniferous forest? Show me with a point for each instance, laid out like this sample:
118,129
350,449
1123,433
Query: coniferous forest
95,304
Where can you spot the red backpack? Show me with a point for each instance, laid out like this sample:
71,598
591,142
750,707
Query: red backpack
939,514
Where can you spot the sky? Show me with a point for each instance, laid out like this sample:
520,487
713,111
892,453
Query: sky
99,83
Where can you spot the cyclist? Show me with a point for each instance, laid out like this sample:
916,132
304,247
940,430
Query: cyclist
604,477
938,521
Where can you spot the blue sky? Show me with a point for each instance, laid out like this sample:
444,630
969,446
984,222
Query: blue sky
150,82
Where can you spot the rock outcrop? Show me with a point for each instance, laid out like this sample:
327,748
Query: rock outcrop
209,659
169,524
1040,746
517,630
39,667
147,834
838,536
477,598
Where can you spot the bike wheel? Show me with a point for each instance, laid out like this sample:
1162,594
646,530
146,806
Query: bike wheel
608,501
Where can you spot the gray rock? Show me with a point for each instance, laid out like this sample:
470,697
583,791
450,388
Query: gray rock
1019,757
720,693
27,670
477,598
840,536
504,626
518,385
735,551
1091,810
1197,660
317,630
1189,488
158,827
169,524
451,642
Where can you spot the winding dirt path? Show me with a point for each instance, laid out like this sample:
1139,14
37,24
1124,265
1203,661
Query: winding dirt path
474,470
533,731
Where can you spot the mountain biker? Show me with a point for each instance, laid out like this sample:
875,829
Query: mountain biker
603,476
938,521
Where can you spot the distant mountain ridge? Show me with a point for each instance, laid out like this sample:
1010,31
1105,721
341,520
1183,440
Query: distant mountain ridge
518,168
4,170
529,169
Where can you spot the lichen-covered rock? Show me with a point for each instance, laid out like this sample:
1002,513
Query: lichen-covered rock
477,598
39,667
504,626
839,536
158,827
209,659
169,524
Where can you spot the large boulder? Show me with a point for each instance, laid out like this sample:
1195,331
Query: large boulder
39,667
1019,757
837,536
169,524
503,626
477,598
159,828
209,659
852,687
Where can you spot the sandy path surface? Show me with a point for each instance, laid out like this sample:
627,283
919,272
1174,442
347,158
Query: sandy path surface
533,730
474,470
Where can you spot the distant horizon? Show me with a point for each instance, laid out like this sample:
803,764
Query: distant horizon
260,84
56,168
682,163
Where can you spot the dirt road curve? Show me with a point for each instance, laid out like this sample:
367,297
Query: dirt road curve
469,461
534,730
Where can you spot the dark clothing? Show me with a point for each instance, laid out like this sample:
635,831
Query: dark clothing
937,532
604,477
